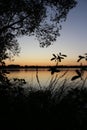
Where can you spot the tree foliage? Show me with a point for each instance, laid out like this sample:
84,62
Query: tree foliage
41,18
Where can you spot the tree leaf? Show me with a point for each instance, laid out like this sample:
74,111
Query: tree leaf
54,55
64,55
60,53
58,58
52,59
78,60
81,57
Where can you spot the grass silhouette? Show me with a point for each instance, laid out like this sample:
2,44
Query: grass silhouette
42,108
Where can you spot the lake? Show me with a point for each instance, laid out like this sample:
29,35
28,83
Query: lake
43,77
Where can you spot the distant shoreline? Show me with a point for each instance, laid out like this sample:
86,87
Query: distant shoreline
42,67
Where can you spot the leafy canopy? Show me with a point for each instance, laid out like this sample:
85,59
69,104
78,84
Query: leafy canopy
41,18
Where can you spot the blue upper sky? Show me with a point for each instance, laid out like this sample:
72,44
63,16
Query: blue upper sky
72,41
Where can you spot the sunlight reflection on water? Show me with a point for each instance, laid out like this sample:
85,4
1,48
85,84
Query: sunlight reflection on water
45,76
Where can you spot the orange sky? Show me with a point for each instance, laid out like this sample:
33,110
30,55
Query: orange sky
42,62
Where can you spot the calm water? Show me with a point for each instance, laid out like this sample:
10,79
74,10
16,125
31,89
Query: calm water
45,78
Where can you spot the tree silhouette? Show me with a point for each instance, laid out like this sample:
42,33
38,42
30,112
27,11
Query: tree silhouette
41,18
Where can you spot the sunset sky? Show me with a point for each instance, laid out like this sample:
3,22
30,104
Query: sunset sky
72,41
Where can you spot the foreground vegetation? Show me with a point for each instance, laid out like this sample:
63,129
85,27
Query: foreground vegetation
42,109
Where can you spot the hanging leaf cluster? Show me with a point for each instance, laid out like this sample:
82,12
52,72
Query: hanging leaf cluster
58,57
82,57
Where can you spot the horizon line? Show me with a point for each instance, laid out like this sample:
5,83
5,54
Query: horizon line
37,66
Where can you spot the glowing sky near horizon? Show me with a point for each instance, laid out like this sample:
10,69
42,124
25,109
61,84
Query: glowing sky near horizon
72,41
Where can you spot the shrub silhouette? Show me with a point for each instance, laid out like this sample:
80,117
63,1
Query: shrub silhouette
82,57
79,74
57,59
81,71
42,108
